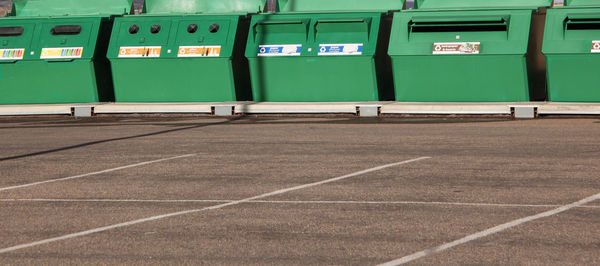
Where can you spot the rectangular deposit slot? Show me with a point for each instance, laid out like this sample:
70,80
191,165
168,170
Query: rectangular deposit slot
11,31
478,25
582,27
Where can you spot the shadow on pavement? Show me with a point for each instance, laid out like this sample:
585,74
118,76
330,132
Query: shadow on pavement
115,139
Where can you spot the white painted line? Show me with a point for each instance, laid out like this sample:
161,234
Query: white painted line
490,231
154,218
344,202
95,173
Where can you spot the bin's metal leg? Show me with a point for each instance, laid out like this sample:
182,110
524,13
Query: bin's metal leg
82,111
368,110
524,112
223,110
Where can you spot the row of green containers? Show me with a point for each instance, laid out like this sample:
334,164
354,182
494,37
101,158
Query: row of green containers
58,51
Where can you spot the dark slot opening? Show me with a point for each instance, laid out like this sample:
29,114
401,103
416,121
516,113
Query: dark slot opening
154,29
583,24
11,31
134,29
214,28
458,26
66,30
192,28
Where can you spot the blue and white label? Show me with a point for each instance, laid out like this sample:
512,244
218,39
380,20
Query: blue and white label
341,49
280,50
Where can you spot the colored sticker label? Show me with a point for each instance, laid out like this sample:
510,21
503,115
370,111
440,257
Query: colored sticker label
456,47
61,53
280,50
12,54
341,49
139,51
199,51
595,46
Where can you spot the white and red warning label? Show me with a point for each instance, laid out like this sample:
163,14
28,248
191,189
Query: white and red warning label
140,51
61,53
456,47
199,51
12,54
595,46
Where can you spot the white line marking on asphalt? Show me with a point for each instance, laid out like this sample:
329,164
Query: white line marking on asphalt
95,173
490,231
472,204
154,218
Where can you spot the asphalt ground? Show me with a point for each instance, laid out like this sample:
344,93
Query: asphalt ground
297,191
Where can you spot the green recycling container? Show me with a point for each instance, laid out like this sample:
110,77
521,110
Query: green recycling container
182,51
462,50
321,51
53,51
572,49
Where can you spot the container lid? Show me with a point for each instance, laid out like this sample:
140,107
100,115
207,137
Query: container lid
337,5
202,6
480,4
52,8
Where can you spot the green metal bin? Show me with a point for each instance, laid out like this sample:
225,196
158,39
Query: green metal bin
53,51
572,49
463,50
321,51
182,51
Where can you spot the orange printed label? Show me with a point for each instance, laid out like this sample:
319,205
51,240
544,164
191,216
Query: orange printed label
199,51
140,51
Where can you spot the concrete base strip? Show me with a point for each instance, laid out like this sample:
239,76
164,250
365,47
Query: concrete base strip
95,173
433,108
51,109
447,108
159,217
307,202
149,108
490,231
298,108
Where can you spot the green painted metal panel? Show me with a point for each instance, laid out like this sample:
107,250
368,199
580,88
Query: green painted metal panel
53,64
572,57
293,57
582,3
203,6
571,31
53,8
338,5
197,58
497,72
481,4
